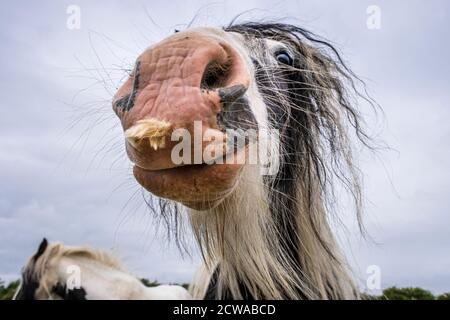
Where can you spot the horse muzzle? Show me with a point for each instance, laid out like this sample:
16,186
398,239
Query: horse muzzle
176,94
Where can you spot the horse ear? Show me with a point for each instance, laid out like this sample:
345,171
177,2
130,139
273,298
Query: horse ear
41,249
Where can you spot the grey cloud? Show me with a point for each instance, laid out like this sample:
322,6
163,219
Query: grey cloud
70,184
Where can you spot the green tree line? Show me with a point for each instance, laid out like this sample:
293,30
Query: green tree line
7,292
409,293
392,293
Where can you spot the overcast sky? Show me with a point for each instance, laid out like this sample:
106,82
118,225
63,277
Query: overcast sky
64,174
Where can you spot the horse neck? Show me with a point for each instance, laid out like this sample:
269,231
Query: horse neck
101,281
256,255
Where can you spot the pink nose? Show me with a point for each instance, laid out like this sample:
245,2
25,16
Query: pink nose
178,81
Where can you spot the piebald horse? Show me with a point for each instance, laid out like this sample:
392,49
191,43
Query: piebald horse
262,234
59,272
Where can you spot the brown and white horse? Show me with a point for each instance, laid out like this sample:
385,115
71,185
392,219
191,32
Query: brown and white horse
262,234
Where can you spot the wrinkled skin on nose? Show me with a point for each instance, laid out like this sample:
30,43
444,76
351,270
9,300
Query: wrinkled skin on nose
183,79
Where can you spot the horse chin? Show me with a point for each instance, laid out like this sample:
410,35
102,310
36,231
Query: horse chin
199,187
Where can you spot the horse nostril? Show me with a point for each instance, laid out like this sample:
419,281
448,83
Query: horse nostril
231,94
215,75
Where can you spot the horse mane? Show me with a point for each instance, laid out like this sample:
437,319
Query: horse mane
58,250
272,239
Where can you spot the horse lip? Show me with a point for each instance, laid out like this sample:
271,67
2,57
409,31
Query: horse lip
167,168
190,172
142,160
174,166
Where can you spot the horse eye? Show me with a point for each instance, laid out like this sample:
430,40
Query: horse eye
284,58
